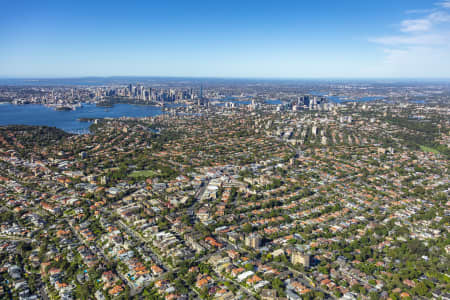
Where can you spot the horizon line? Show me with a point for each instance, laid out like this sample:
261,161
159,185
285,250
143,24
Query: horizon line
216,77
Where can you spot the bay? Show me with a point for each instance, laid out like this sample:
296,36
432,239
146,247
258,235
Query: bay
36,114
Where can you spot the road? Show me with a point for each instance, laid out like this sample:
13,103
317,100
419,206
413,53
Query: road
43,293
15,238
304,279
198,195
137,236
100,252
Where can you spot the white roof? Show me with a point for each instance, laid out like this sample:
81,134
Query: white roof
245,275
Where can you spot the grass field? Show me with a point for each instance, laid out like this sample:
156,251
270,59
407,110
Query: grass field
143,173
428,149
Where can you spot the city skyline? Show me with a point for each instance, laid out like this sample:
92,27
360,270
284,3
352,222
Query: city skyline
408,39
227,190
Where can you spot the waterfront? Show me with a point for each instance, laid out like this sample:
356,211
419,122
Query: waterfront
35,114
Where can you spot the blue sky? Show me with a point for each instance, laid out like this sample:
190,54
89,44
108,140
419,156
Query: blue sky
270,39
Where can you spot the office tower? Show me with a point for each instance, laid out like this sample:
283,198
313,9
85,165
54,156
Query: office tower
142,93
306,100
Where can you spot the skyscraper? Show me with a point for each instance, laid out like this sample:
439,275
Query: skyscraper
306,100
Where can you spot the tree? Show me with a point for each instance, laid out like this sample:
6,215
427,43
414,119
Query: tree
420,289
278,284
249,267
247,228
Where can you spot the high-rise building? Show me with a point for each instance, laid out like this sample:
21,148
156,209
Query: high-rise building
253,240
299,257
142,92
104,180
314,130
306,100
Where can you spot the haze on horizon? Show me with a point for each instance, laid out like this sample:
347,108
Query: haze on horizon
257,39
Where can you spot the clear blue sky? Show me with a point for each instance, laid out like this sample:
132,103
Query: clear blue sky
287,39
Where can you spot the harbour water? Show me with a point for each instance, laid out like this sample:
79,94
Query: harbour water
68,120
35,114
